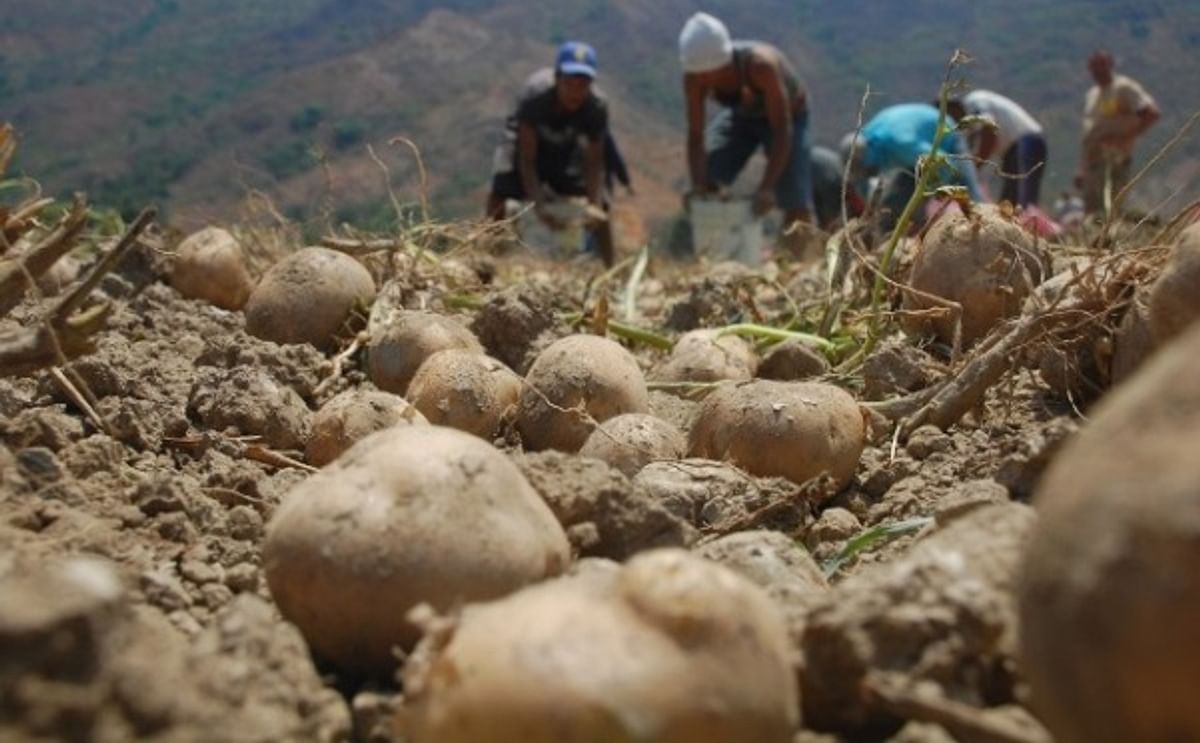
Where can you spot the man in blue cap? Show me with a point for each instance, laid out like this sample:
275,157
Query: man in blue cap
560,126
891,145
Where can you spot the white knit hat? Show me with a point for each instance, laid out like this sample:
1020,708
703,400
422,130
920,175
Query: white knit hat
704,44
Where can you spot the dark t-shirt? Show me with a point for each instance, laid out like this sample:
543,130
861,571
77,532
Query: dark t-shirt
558,131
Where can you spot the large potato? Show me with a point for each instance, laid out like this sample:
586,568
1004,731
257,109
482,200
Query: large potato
210,265
630,442
708,356
352,416
579,371
409,515
797,430
402,342
670,648
1109,591
1175,297
465,390
308,297
986,262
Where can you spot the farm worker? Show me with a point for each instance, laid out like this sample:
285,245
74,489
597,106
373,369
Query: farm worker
560,125
1014,137
1116,112
828,171
893,141
763,105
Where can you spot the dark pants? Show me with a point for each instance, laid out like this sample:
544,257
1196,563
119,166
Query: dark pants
1023,165
733,139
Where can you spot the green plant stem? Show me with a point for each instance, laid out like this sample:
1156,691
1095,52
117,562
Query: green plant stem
766,332
931,165
868,539
626,331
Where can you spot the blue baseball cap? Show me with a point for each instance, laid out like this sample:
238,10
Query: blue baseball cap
576,58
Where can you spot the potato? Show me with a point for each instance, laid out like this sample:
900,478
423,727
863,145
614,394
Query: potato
1175,297
308,297
796,430
405,339
985,262
707,356
409,515
465,390
210,265
630,442
669,648
585,371
1134,341
1109,597
351,416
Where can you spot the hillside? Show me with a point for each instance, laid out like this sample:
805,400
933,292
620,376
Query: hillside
196,104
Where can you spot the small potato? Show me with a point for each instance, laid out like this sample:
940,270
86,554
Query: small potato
630,442
405,340
1175,297
1109,593
409,515
308,297
210,265
985,262
797,430
708,356
465,390
669,648
579,370
351,416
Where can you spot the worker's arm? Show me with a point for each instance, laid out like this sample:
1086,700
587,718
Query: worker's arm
694,93
593,172
987,143
527,146
765,77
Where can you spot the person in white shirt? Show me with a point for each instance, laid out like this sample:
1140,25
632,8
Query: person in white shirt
1116,112
1015,137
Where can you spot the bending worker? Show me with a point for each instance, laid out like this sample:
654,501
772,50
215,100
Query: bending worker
764,105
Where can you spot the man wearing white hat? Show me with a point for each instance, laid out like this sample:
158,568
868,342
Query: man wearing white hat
764,105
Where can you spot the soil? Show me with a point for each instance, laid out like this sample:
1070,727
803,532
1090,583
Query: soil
132,602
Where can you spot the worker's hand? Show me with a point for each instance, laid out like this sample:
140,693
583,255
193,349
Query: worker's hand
1079,178
699,191
540,208
763,202
594,216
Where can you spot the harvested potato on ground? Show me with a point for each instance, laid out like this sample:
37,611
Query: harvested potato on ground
797,430
1109,594
708,356
585,371
1134,341
779,566
351,416
986,262
409,515
465,390
792,361
669,648
211,265
308,297
402,342
630,442
1175,297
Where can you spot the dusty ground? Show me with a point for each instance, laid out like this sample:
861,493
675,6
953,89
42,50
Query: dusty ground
172,635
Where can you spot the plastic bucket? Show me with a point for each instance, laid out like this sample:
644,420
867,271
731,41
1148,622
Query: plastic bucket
726,230
552,243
